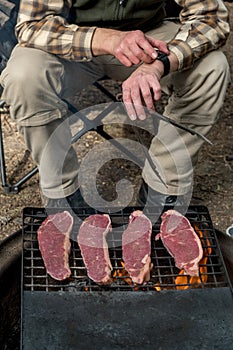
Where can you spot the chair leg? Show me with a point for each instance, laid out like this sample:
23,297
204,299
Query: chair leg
2,159
6,187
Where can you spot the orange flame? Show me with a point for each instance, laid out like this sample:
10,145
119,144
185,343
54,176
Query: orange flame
184,281
157,287
121,272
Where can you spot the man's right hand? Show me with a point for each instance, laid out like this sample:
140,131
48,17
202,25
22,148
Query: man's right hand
129,48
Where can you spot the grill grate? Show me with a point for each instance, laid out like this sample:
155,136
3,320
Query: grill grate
164,274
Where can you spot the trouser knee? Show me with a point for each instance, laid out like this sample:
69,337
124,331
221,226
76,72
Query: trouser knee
32,83
198,93
54,155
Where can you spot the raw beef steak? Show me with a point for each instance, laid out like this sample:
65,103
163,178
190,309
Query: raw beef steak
94,249
136,247
181,241
54,244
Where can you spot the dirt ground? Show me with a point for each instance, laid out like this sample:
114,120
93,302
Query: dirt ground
213,181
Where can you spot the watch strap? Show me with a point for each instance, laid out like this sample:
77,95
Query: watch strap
162,57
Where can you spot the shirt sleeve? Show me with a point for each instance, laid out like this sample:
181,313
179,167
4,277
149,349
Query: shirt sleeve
44,25
204,27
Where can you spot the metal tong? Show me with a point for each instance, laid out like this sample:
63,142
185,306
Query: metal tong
171,121
178,125
168,120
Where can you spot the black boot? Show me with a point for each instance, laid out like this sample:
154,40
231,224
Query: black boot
73,202
151,198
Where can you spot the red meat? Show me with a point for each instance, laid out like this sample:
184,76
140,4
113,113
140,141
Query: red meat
54,244
181,241
94,249
136,247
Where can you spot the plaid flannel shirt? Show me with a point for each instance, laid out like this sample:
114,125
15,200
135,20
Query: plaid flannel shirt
43,24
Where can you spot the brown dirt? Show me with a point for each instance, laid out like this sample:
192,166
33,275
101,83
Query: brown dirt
213,181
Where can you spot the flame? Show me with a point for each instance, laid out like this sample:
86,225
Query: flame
157,287
121,272
184,281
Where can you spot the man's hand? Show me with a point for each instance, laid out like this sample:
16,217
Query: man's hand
142,88
129,48
135,47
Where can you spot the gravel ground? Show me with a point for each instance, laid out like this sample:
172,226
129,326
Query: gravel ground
213,181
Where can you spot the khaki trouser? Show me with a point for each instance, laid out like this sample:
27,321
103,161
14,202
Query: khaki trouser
35,84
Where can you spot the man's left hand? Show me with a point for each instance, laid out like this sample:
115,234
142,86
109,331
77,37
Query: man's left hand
141,89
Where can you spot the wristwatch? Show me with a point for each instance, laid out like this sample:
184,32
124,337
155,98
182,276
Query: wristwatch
162,57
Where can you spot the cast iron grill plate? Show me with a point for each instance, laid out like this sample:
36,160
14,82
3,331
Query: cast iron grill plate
163,274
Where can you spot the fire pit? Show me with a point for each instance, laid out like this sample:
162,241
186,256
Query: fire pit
77,314
169,311
10,271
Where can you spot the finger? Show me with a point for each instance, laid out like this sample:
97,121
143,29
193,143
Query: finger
123,58
155,89
140,110
147,95
137,102
139,52
148,50
137,43
126,95
158,44
134,54
129,106
148,99
141,113
133,48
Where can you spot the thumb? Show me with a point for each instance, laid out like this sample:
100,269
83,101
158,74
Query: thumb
158,44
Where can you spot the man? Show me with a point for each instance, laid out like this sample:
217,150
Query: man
66,45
